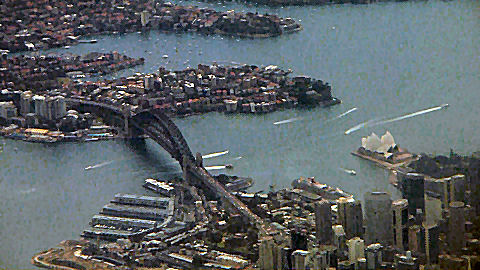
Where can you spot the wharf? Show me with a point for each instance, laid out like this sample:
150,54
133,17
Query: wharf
121,223
142,200
106,234
130,215
142,212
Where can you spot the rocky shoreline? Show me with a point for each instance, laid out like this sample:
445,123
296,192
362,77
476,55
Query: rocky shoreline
33,25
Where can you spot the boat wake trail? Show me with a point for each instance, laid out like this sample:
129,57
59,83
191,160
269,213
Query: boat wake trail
359,126
288,121
372,123
412,114
237,158
216,154
212,168
99,165
347,112
341,115
27,191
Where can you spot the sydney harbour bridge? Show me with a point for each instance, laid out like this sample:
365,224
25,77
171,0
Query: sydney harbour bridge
161,129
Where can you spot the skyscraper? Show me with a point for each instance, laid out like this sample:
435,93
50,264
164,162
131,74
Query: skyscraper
350,216
378,218
400,223
456,227
413,189
431,242
323,222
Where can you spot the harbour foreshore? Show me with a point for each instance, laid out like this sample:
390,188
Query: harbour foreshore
51,23
37,135
43,102
49,72
193,224
32,105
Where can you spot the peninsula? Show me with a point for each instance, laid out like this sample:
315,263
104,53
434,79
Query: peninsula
43,96
33,25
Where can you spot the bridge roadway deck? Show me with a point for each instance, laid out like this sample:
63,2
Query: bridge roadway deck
110,107
220,190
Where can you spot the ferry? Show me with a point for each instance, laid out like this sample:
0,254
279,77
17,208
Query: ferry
351,172
87,41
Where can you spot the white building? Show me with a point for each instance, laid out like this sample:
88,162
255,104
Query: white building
356,249
7,110
40,106
382,145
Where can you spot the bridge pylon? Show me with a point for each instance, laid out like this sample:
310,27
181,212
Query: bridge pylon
127,114
199,160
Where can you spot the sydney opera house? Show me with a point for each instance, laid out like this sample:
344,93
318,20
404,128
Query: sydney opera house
383,148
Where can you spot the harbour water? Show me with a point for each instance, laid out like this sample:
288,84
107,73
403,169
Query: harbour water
386,59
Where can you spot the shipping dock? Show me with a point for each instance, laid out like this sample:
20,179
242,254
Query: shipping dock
128,215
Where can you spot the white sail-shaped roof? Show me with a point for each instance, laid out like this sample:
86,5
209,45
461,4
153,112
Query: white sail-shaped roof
380,145
383,149
373,142
364,142
388,140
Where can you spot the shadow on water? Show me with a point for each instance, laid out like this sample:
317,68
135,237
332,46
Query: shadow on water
148,153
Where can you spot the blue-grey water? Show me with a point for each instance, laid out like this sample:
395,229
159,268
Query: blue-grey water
387,59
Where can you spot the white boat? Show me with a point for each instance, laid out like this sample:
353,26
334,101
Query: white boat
216,167
351,172
216,154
